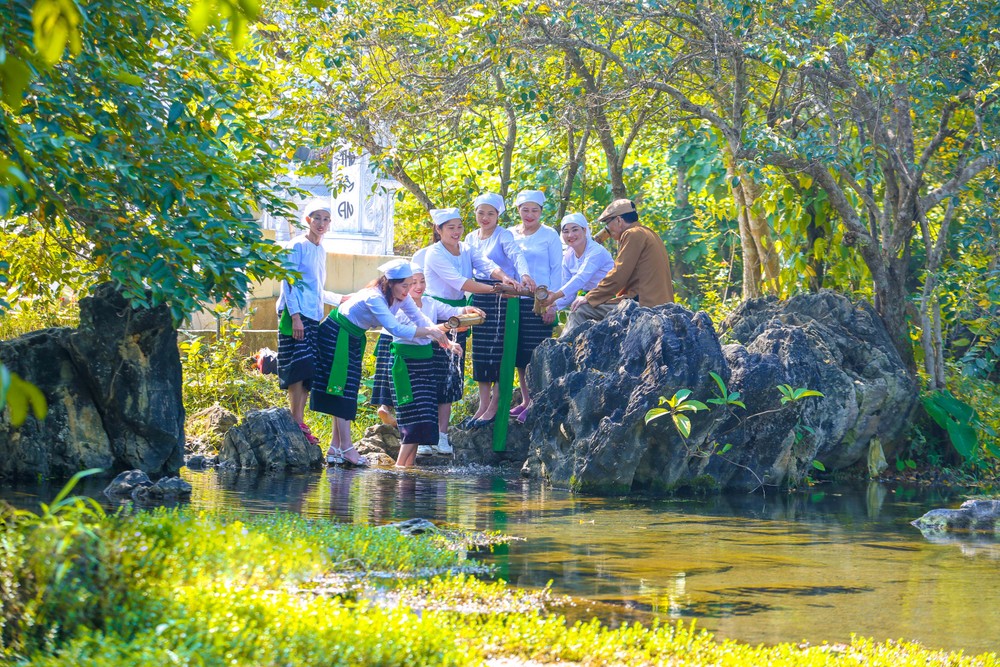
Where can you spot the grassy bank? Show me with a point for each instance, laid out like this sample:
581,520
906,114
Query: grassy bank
188,588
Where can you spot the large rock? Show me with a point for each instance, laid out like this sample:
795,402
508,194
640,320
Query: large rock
593,388
974,516
269,440
113,387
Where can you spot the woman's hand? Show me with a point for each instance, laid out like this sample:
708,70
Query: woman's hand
298,329
553,297
472,310
528,282
550,315
452,347
577,302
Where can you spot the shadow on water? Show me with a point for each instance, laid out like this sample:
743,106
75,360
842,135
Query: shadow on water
808,566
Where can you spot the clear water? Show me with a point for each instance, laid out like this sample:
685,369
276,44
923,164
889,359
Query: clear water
811,566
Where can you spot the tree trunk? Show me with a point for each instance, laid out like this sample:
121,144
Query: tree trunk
760,261
576,157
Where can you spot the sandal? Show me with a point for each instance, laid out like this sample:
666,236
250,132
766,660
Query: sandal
523,417
306,431
517,410
337,458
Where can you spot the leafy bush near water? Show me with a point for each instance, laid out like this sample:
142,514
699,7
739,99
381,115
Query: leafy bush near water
189,588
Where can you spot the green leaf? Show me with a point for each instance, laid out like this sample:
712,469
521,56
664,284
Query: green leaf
14,79
655,413
818,465
683,425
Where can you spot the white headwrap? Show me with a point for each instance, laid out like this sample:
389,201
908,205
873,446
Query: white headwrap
534,196
443,215
494,200
576,219
416,268
396,269
313,205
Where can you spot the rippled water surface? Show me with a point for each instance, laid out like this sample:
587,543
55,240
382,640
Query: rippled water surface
808,566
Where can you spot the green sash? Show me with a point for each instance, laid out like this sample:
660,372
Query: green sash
512,320
400,373
342,353
285,323
457,303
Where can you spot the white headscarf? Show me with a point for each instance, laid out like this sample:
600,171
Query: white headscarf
576,219
313,205
416,268
494,200
396,269
534,196
443,215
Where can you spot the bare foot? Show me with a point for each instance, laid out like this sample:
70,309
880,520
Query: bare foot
385,414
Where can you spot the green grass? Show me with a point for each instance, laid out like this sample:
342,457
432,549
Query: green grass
179,587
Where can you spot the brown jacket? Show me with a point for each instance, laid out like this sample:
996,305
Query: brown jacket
642,269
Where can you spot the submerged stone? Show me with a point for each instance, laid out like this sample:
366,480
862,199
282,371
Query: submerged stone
973,516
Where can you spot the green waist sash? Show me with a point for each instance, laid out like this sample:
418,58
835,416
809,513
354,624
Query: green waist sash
457,303
400,373
512,319
285,323
342,353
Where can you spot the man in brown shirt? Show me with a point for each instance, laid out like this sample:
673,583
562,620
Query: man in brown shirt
642,268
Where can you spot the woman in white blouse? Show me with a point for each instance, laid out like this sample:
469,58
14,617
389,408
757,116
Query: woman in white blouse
585,262
417,399
341,344
542,249
498,244
449,267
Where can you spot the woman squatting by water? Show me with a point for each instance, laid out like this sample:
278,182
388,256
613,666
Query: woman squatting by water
341,341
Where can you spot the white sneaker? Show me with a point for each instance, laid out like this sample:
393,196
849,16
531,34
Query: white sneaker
426,450
444,447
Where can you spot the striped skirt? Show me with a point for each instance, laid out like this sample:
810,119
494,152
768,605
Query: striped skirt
487,338
297,358
450,372
418,419
530,333
382,382
346,406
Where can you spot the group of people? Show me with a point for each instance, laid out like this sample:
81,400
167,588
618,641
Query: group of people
420,368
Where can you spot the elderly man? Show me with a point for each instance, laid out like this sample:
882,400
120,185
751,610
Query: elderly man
641,271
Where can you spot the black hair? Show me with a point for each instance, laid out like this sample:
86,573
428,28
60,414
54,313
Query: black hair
385,285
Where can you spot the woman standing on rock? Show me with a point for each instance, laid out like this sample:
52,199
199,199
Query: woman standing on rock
497,244
542,249
300,309
341,343
413,375
585,262
448,268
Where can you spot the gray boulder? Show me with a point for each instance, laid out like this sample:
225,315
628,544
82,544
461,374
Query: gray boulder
593,388
166,489
973,516
113,387
125,483
269,440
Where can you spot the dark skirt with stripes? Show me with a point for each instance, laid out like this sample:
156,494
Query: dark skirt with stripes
450,372
297,358
346,406
487,338
382,382
530,333
418,419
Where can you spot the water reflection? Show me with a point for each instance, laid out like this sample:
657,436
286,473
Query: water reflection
809,566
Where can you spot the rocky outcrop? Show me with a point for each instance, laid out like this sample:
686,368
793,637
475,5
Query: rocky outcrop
207,428
113,387
475,446
137,485
593,389
973,516
269,440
